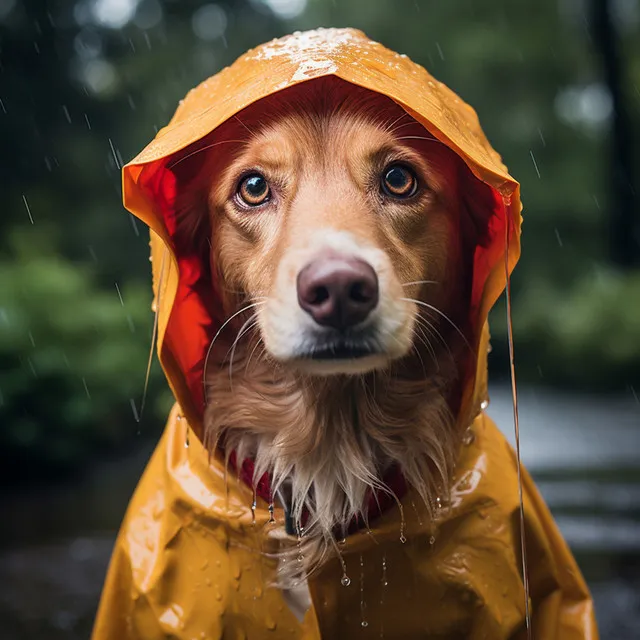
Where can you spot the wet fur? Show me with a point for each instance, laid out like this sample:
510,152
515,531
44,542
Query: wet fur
331,437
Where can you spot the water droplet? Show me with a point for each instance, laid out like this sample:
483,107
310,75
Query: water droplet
26,204
207,581
271,623
363,604
253,509
485,403
535,164
403,538
134,409
271,518
345,581
432,540
468,437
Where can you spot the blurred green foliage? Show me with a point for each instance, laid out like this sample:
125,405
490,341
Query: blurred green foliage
67,347
80,95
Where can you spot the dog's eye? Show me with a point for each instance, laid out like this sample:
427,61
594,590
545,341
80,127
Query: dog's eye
254,190
399,181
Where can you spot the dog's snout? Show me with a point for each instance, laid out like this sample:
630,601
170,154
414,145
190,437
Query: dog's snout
338,291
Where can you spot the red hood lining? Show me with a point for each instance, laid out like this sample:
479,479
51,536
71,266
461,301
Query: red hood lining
197,314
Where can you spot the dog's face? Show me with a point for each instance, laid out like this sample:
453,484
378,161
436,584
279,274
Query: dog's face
342,229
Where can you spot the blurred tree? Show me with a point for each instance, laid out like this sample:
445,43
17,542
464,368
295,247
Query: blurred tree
625,209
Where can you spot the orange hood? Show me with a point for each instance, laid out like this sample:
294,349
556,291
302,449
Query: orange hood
183,291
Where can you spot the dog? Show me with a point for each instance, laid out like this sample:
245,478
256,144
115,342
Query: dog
337,231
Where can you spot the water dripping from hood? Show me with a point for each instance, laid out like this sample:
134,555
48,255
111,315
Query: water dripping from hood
383,584
516,425
363,604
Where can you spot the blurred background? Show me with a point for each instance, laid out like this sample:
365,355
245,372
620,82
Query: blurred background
85,84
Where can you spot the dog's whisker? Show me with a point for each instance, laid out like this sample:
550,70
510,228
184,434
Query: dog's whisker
244,329
408,284
201,149
426,305
419,138
432,330
215,337
423,339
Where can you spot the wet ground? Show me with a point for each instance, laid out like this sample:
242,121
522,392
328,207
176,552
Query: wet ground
584,454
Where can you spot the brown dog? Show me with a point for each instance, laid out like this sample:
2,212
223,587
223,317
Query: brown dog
337,232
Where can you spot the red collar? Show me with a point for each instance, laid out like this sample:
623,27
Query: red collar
378,502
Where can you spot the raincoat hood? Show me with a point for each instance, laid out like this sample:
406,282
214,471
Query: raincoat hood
191,560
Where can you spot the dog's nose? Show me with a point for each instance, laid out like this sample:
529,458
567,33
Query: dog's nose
337,291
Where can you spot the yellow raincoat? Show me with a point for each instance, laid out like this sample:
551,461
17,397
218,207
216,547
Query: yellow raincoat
190,563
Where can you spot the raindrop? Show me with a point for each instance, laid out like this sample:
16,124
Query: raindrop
115,155
134,224
385,583
4,109
86,389
26,204
134,409
119,294
86,119
535,164
595,199
432,540
31,339
415,509
345,581
363,604
439,51
544,142
67,115
558,238
300,556
403,539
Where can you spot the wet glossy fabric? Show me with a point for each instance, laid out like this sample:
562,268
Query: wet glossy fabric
192,559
